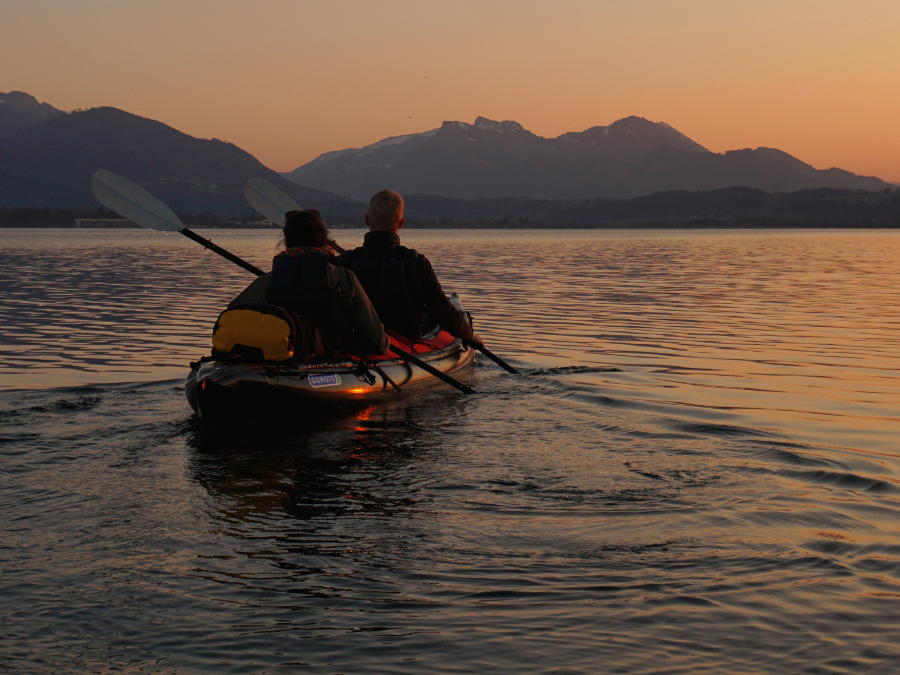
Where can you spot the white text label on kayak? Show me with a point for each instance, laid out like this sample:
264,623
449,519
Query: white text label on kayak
324,380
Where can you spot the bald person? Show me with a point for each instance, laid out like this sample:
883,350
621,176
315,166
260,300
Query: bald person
400,281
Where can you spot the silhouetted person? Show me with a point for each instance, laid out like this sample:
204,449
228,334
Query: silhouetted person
305,280
400,281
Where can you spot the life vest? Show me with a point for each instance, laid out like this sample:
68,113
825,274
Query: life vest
392,284
300,284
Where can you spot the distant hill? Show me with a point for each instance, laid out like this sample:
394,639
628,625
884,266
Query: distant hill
628,158
49,164
47,157
19,110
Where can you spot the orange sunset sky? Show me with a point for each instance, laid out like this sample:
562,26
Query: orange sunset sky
289,79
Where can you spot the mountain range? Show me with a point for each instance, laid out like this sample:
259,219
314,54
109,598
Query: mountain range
47,157
630,157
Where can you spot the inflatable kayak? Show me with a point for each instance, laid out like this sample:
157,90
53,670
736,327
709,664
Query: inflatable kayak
218,389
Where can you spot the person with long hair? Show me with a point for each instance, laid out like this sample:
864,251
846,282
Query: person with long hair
306,281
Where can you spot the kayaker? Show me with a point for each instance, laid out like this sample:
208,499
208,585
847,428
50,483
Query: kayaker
400,281
305,280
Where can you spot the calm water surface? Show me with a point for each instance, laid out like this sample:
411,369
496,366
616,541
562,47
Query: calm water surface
699,470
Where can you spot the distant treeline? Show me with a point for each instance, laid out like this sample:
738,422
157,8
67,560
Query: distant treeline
730,207
28,217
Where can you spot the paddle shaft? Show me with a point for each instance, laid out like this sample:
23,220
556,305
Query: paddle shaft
493,357
416,361
206,243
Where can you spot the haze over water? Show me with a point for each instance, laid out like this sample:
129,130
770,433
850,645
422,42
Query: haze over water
699,470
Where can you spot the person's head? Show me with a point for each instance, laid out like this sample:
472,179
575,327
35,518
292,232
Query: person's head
385,211
304,228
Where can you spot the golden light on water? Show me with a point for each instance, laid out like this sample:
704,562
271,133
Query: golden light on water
700,460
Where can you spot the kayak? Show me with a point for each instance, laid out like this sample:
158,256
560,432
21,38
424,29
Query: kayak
222,389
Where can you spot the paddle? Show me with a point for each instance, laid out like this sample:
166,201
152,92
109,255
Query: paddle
493,357
455,301
464,388
139,206
142,208
273,203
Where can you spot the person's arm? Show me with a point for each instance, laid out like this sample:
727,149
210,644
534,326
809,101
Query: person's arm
448,317
369,330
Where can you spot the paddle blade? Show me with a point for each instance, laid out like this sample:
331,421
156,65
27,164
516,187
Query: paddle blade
133,202
268,200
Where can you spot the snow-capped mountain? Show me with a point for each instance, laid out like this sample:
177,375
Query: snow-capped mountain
488,158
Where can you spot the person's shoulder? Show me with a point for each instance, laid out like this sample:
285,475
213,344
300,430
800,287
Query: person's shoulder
408,253
399,251
350,254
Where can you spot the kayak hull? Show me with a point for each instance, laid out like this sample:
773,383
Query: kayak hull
219,390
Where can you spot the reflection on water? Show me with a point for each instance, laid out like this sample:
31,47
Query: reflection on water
698,471
262,471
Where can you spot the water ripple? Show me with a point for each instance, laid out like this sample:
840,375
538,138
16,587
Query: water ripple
698,471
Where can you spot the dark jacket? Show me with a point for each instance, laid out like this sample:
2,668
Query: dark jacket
307,282
403,287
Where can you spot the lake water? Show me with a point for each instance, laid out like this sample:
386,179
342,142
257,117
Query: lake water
698,471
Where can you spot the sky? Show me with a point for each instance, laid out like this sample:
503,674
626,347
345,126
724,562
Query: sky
289,79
